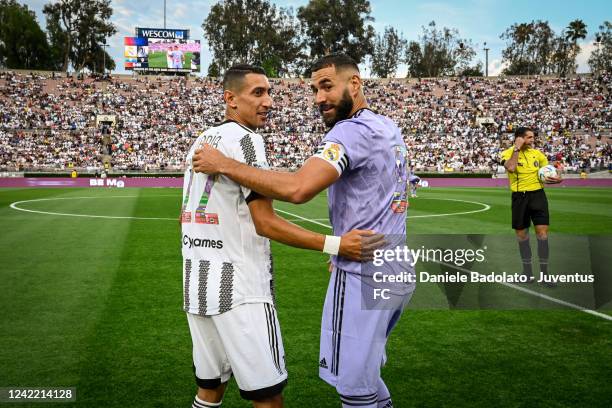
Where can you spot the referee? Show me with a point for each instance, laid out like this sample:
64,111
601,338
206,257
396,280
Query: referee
529,203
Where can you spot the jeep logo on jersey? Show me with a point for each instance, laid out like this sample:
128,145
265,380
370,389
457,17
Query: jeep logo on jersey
202,242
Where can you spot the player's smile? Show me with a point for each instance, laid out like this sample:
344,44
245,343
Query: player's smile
326,108
263,116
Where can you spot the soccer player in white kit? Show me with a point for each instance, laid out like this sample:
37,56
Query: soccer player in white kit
362,159
227,264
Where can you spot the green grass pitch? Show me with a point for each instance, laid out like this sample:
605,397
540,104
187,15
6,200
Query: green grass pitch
95,303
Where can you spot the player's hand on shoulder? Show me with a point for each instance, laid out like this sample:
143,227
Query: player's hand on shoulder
359,245
207,160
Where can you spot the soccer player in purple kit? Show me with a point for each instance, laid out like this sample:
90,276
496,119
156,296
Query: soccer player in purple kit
362,159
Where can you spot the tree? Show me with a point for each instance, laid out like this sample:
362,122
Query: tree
78,28
532,48
474,71
567,48
337,26
213,70
23,44
601,59
438,52
388,49
255,31
414,59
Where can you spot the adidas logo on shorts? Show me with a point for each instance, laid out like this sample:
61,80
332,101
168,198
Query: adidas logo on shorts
323,363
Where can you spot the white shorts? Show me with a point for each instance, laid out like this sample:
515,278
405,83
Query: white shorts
244,341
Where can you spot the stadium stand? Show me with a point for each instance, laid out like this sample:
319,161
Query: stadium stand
47,122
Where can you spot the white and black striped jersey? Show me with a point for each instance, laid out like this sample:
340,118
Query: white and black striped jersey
225,262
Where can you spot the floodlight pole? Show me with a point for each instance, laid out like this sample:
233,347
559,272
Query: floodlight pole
486,59
104,45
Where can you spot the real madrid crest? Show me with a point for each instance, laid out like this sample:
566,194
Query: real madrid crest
332,153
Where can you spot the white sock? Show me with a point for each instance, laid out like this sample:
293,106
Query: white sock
384,396
198,403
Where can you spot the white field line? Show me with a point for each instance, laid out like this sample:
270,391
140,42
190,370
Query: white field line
485,207
15,206
313,221
510,285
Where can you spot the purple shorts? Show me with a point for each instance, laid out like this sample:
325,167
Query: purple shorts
353,340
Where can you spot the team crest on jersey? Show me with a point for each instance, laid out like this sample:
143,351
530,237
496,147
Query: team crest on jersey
202,217
332,153
536,163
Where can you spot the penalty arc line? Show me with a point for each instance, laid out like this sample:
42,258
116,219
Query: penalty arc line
485,207
116,217
510,285
297,217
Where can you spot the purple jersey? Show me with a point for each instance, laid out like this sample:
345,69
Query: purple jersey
371,191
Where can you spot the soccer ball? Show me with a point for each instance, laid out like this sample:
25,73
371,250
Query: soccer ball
547,171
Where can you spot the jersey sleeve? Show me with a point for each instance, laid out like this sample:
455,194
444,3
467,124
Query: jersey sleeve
505,155
334,154
543,160
348,134
251,150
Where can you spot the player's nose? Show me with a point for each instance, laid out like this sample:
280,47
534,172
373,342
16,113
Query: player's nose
320,98
267,102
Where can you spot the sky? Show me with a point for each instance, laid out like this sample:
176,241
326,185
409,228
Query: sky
478,20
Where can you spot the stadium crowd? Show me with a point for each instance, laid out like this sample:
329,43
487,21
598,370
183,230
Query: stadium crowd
449,124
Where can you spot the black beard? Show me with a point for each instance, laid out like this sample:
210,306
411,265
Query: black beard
343,110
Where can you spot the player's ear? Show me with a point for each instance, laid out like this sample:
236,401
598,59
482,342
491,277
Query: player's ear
355,83
229,98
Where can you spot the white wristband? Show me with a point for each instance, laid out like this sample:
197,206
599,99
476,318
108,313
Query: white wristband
332,244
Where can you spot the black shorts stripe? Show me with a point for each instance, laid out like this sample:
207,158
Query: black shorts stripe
358,403
202,286
186,284
278,339
338,325
273,337
269,333
340,316
359,398
335,318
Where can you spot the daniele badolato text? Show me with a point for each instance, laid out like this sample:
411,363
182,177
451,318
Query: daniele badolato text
463,262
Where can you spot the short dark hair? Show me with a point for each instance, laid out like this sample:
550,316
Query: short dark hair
340,61
522,131
233,77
